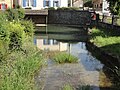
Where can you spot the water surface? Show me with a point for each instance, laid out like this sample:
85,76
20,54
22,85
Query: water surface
72,40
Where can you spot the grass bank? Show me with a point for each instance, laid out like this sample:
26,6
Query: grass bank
17,72
108,41
19,58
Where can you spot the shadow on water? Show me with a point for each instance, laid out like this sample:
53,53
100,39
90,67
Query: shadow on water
73,40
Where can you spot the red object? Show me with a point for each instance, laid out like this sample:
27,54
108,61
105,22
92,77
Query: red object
0,6
93,16
5,6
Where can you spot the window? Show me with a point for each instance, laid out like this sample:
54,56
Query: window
47,3
55,42
29,3
55,3
46,42
3,6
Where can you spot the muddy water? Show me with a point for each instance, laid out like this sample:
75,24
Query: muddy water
89,70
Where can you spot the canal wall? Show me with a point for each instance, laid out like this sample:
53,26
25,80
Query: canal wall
69,17
105,57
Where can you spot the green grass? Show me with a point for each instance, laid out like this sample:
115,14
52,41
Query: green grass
67,87
63,57
18,71
106,41
80,87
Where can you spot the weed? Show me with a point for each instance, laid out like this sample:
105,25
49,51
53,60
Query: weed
63,57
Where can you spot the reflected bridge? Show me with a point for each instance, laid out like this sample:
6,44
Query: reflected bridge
63,33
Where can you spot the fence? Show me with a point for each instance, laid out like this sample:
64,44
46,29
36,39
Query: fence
110,19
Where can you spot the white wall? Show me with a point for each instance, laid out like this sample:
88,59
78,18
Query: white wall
39,5
51,2
59,47
64,3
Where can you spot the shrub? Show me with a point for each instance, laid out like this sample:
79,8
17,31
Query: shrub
21,13
29,28
65,58
15,14
17,35
74,8
51,8
62,8
68,8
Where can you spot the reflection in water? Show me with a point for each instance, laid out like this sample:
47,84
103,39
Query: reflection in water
50,45
69,42
90,63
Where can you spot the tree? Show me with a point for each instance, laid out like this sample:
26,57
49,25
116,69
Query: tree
114,6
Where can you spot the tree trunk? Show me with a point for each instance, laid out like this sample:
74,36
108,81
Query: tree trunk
114,20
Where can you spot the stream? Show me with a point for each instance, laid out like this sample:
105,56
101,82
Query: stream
88,71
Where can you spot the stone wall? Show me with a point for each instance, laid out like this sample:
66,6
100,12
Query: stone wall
70,17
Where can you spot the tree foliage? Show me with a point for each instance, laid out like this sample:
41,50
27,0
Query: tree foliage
114,6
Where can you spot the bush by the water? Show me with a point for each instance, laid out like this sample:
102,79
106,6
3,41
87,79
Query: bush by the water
15,14
68,8
63,57
19,58
28,27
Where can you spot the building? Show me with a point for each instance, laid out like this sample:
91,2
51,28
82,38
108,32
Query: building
41,4
101,5
97,4
4,4
50,45
75,3
32,4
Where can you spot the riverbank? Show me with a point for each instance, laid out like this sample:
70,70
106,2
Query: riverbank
20,59
106,45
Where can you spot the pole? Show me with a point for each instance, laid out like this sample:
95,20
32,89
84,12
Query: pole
71,3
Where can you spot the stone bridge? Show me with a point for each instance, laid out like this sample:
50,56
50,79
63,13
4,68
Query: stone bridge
37,16
66,17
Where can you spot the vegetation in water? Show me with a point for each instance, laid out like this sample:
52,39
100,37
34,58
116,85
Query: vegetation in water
63,57
19,58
